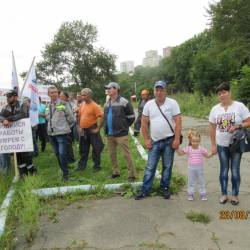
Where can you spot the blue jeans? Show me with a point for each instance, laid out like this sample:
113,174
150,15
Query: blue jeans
59,143
229,160
162,148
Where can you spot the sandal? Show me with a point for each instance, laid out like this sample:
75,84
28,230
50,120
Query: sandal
235,202
223,200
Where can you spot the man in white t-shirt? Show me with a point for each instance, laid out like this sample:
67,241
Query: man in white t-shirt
161,137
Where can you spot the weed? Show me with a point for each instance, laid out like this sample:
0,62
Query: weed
198,217
155,245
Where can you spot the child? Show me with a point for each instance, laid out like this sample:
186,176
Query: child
195,154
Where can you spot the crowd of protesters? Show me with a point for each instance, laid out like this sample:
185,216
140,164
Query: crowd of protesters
66,119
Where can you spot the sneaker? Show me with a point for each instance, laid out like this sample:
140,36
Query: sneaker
32,170
140,195
97,169
203,197
115,176
65,178
166,193
131,179
190,197
80,168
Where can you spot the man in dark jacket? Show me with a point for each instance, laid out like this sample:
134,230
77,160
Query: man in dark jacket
118,116
10,113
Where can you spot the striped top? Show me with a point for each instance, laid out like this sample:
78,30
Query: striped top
195,156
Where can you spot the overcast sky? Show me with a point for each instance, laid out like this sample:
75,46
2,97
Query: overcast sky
126,28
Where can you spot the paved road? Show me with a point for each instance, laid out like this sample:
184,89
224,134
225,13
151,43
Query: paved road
153,223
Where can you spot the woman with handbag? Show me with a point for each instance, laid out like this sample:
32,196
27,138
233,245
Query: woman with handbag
224,119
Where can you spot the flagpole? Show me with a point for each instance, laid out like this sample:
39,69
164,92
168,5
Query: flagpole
27,76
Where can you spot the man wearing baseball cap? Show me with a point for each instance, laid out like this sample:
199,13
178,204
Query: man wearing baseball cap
161,130
14,111
118,116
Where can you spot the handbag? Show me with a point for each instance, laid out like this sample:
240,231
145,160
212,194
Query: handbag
181,136
240,141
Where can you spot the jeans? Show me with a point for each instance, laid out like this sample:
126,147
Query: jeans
59,143
229,160
162,148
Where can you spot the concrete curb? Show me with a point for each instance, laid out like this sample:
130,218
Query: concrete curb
67,189
5,206
142,151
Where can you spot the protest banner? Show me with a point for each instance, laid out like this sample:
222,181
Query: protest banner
17,138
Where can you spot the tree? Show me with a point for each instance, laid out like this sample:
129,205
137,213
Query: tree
230,23
72,58
243,86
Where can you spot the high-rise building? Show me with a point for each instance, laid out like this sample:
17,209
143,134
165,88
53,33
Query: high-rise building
167,51
127,66
152,59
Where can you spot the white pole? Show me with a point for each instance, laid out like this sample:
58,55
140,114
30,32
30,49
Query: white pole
27,76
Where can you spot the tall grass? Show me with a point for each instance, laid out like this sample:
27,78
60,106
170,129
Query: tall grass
5,182
194,104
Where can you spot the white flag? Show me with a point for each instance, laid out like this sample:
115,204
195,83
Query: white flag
14,79
31,90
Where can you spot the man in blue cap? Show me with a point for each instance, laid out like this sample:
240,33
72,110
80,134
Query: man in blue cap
161,130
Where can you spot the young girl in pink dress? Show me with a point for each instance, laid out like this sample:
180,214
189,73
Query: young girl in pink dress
195,154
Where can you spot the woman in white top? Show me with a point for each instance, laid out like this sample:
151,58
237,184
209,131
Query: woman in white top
224,119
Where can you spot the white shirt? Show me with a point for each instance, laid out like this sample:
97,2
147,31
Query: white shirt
159,128
236,113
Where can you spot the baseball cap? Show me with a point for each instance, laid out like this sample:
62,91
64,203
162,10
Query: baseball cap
161,84
10,93
113,85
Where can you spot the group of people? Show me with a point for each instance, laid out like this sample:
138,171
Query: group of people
159,121
163,140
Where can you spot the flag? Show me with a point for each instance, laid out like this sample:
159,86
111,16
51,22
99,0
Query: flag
14,79
30,90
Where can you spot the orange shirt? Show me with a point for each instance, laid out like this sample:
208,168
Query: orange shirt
88,114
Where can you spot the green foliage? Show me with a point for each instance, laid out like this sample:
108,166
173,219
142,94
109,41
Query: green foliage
73,59
195,105
5,182
29,207
198,217
153,245
242,86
